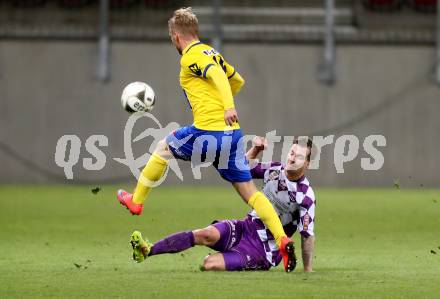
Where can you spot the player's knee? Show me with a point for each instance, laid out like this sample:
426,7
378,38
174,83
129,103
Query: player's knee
162,149
207,236
245,189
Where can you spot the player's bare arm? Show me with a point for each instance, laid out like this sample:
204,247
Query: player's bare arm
307,248
259,144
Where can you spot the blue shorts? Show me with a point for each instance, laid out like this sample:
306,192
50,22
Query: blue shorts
224,149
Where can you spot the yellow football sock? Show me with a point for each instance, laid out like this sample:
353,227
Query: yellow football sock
267,214
151,173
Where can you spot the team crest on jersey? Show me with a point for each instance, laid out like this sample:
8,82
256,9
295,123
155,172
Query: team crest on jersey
195,69
282,185
273,175
292,196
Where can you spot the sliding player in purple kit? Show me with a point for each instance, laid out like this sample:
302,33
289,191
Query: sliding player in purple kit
247,244
209,84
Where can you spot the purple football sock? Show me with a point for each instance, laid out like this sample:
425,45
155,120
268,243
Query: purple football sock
173,243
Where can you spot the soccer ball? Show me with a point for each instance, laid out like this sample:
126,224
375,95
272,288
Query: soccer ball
137,96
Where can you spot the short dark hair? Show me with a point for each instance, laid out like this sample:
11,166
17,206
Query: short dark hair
304,140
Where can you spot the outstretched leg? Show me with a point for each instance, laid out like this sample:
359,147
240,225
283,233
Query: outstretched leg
184,240
174,243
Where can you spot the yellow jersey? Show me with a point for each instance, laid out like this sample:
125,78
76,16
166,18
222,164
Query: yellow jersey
203,95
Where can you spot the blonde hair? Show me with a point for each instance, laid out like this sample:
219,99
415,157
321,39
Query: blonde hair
184,21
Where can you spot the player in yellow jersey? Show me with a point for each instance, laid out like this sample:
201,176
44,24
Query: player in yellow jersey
209,84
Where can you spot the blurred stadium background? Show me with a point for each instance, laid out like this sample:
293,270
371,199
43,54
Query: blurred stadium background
312,68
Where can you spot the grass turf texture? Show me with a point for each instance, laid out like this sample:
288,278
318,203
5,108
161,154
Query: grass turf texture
67,242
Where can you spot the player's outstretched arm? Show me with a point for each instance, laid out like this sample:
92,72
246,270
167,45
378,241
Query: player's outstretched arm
307,248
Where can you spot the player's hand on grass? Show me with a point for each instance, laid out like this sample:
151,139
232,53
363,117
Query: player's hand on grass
231,116
259,143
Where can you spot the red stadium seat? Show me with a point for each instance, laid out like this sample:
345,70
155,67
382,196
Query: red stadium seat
75,3
28,3
429,6
163,4
121,4
425,2
383,5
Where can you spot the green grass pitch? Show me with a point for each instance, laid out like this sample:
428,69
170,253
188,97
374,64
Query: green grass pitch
379,243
